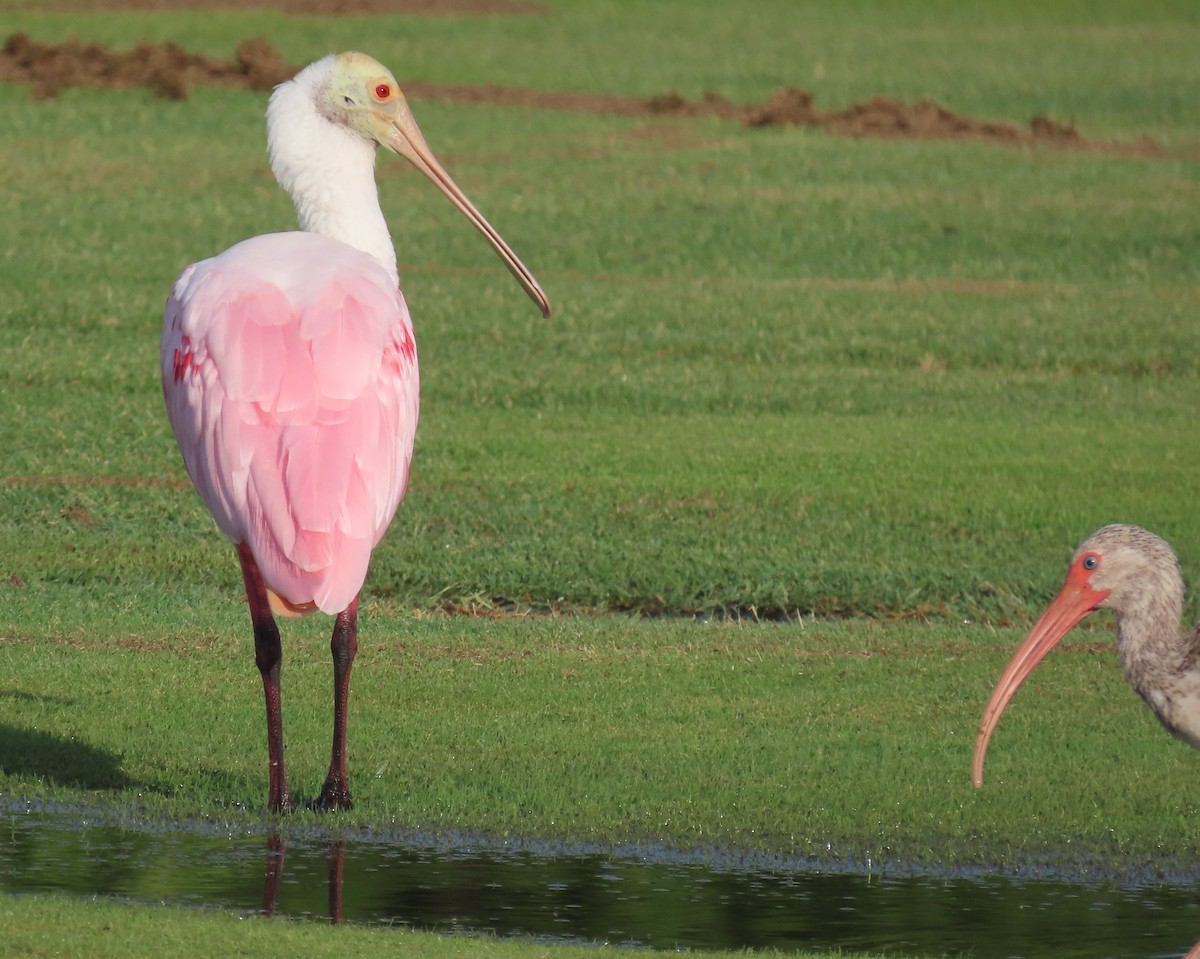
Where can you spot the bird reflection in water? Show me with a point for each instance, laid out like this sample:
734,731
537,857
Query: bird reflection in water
335,852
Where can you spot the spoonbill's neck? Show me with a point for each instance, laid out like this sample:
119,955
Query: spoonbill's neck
328,170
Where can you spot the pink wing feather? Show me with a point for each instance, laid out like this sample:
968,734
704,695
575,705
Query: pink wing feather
290,375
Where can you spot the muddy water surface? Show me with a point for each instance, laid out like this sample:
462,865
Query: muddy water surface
649,898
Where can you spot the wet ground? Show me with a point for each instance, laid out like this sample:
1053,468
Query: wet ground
646,897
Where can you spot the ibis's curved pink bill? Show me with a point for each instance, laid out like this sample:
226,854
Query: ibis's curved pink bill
1074,602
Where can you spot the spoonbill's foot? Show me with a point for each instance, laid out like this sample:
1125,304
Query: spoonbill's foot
335,794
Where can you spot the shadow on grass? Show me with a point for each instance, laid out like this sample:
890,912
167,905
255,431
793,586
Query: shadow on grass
19,695
31,754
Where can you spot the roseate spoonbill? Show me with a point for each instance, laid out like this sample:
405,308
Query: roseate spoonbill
290,374
1134,573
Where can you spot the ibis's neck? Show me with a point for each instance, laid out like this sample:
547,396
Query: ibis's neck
1159,661
1148,637
329,173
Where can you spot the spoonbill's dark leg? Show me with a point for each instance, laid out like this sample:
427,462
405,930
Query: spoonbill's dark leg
276,853
268,653
335,794
337,863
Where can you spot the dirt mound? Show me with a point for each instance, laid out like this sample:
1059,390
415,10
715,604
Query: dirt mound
891,118
793,106
166,69
170,71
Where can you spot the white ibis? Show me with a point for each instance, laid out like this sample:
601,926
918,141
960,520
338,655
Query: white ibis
1134,573
290,374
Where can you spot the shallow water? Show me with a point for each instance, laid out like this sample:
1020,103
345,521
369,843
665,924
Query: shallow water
654,899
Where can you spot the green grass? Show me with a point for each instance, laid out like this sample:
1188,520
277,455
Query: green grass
37,926
883,386
612,731
836,743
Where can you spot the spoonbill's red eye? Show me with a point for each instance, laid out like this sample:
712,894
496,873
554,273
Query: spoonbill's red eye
1091,561
383,91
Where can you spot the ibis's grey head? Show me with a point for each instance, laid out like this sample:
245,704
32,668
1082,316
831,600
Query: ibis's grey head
1119,567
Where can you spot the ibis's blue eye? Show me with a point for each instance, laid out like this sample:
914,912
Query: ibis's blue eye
1091,562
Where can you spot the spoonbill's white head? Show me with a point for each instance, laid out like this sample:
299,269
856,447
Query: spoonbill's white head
322,129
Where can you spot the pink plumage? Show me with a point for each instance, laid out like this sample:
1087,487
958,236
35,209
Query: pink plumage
290,376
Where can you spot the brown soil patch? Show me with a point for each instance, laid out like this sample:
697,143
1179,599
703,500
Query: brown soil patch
167,70
170,71
793,106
